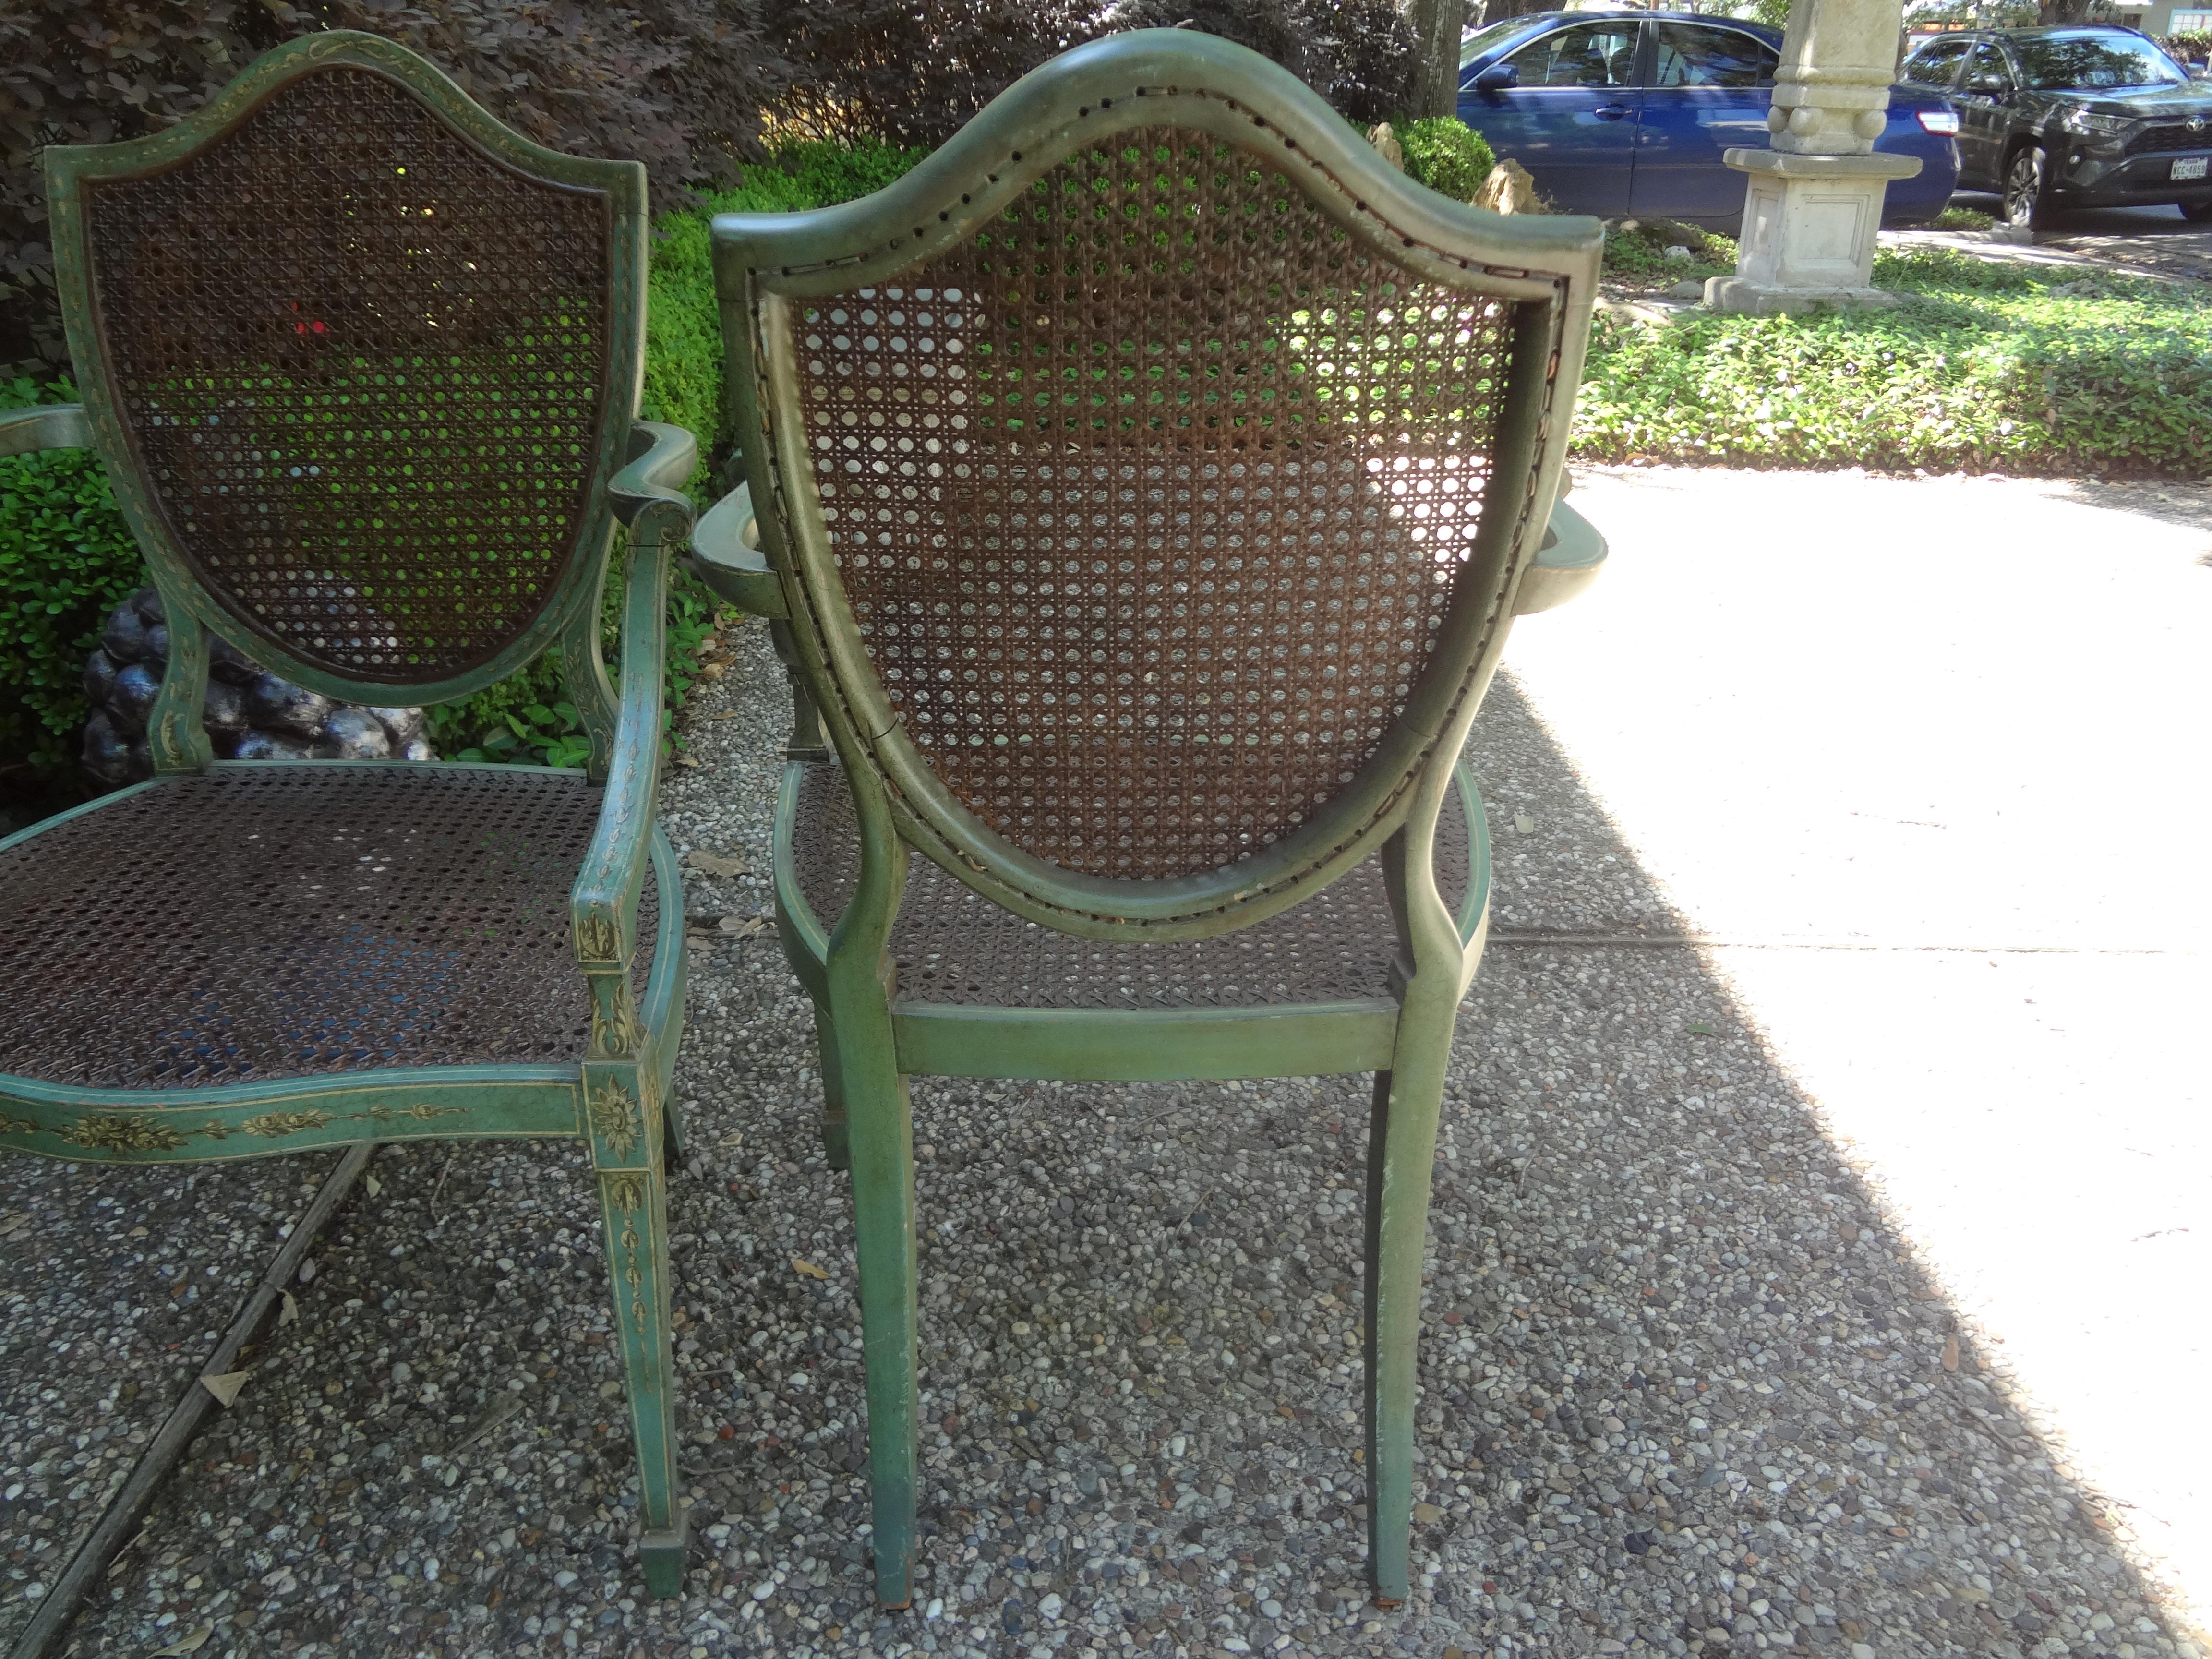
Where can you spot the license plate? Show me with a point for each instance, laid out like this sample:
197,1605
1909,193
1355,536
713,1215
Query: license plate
2191,168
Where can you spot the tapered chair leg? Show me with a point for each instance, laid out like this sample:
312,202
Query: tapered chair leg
836,1137
883,1204
635,1205
1401,1143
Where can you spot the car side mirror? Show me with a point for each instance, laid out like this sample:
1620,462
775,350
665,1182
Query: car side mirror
1498,77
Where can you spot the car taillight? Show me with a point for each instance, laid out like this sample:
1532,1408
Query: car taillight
1944,122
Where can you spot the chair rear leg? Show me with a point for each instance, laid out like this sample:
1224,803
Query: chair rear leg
634,1203
672,1138
1402,1141
836,1135
882,1206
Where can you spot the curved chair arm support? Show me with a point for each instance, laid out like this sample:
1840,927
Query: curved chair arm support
661,460
726,555
1569,561
44,426
603,902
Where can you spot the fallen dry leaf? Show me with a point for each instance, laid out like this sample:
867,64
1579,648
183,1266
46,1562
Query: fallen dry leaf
1951,1352
184,1644
718,864
711,670
289,1311
742,926
374,1185
809,1268
735,1137
225,1388
686,760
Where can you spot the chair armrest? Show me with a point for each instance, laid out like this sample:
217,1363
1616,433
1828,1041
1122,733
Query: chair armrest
661,461
1569,561
44,426
726,555
603,903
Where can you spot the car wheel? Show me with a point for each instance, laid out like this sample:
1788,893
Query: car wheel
2197,212
2025,206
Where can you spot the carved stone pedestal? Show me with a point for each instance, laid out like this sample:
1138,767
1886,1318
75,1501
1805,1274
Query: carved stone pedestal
1808,231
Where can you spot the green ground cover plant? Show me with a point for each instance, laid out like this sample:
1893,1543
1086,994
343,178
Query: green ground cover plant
1960,218
1635,253
1985,365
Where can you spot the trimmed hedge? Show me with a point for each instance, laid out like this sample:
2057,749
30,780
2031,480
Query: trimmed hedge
65,562
1448,155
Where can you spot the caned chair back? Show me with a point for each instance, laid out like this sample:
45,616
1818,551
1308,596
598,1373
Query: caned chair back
1150,472
356,357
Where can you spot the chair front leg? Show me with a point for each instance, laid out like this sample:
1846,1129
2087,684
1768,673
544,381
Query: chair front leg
1401,1143
1401,1148
881,1126
624,1120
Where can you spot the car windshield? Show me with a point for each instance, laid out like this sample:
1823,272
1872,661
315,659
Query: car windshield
2093,63
1482,40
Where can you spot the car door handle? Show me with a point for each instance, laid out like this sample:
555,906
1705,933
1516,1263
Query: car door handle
1610,111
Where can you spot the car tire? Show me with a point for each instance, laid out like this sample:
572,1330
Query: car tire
2197,212
2026,191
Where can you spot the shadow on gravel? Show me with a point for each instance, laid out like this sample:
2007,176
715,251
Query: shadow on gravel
1682,1391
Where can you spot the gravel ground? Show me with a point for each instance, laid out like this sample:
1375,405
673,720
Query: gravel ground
1682,1392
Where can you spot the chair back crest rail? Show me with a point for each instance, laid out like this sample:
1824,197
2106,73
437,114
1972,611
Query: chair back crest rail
1149,473
355,355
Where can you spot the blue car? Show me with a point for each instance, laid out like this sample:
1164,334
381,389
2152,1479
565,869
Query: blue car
1627,113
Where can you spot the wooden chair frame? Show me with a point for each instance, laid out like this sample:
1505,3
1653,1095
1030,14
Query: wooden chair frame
616,1098
778,561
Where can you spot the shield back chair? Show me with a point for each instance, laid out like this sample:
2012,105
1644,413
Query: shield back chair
364,369
1142,487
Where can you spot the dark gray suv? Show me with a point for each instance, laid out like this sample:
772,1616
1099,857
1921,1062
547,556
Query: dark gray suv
2090,116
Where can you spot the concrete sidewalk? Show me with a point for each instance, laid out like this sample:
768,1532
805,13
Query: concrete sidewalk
1742,1254
1926,761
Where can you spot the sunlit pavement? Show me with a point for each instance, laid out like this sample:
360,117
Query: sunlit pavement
2148,241
1926,760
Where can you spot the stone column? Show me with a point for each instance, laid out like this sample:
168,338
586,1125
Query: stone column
1813,202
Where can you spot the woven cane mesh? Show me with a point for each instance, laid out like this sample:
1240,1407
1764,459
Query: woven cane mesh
278,921
953,944
1150,499
364,367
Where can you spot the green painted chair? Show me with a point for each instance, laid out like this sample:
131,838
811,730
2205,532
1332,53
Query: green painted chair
1141,489
363,366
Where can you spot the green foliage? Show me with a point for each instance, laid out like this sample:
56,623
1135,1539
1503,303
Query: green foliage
683,338
1985,365
1960,218
66,561
818,175
1635,252
1448,155
683,329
